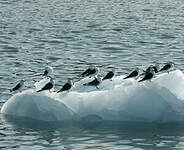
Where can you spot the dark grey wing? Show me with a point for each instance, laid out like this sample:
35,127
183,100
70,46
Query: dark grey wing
166,67
93,83
132,74
16,87
65,87
48,86
146,77
91,72
86,72
109,75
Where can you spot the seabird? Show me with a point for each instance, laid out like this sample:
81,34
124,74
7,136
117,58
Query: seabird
95,82
148,75
93,72
48,86
133,74
167,66
19,86
87,71
109,75
67,86
154,68
48,71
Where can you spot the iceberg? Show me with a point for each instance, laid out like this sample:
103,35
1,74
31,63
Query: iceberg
35,106
160,100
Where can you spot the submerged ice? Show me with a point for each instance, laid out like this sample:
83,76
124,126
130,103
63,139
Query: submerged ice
124,100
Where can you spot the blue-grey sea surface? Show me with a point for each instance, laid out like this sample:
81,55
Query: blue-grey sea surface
69,35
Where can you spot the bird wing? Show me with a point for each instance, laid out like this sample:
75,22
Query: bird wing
132,74
166,67
48,86
109,75
147,77
91,72
16,87
92,83
86,72
65,87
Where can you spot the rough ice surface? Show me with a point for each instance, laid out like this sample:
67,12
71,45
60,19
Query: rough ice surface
123,100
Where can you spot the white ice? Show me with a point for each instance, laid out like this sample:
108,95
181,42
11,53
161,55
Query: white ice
161,100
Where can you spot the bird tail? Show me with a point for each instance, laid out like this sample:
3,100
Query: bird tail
141,80
126,77
82,75
60,91
161,70
39,90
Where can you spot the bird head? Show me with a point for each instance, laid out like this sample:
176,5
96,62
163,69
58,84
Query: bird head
49,69
170,63
113,70
97,70
22,81
91,67
70,81
137,69
157,66
151,70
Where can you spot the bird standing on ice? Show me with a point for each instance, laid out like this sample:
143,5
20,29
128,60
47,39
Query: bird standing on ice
96,82
48,86
155,68
93,71
109,75
133,74
167,66
48,71
67,86
148,75
19,86
87,71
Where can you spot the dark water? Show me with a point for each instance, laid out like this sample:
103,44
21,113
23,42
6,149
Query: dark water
29,134
71,34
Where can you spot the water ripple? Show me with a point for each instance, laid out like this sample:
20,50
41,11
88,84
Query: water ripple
70,35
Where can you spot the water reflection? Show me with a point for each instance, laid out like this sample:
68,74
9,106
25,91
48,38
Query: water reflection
98,135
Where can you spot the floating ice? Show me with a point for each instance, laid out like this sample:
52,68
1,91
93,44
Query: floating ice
124,100
40,107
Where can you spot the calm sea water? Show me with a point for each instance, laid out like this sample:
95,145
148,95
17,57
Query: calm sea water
69,35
